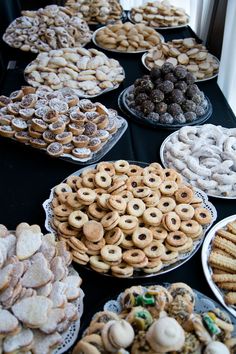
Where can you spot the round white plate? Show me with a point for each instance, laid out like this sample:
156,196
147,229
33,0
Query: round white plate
161,28
47,206
165,164
143,59
119,51
206,249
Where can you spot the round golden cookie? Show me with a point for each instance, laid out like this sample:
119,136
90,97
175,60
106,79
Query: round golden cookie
114,237
171,221
128,223
136,207
134,256
116,203
95,212
168,188
152,216
122,270
102,179
86,195
189,227
159,232
166,204
185,211
111,253
184,195
98,264
142,237
121,166
154,249
77,219
176,239
202,216
152,181
127,242
93,231
110,220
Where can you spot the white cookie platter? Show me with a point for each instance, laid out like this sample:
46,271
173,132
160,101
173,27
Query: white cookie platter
166,165
206,249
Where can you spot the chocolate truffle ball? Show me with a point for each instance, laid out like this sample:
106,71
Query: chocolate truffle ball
181,85
190,116
177,96
137,82
170,77
190,79
154,117
158,81
180,72
192,90
147,107
157,96
142,97
196,98
161,107
180,118
166,86
204,104
166,118
188,106
147,85
174,109
138,90
167,68
155,73
200,111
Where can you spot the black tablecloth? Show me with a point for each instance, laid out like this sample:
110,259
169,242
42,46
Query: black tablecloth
27,175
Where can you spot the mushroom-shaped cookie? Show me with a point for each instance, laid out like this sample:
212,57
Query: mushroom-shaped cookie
216,347
165,335
116,335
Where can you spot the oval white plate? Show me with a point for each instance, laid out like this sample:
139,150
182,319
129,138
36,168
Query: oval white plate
143,59
161,28
119,51
164,163
47,205
206,248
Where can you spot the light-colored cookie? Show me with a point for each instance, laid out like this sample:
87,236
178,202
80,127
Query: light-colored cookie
38,274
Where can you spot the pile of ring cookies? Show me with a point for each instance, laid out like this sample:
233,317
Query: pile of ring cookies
205,155
38,296
187,52
127,37
57,121
222,259
52,27
89,71
156,319
96,11
159,14
120,217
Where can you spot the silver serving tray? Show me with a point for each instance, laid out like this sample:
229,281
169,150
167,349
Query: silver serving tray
139,274
206,249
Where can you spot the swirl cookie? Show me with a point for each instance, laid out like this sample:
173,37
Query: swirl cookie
46,29
118,218
155,319
38,298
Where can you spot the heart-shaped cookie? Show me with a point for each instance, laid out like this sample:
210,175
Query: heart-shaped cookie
38,274
28,242
8,322
33,311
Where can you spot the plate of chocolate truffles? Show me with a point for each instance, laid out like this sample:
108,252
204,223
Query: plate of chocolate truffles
166,98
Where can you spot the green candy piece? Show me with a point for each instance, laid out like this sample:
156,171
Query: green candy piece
145,299
143,319
210,324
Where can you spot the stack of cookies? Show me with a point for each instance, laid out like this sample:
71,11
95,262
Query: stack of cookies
222,259
120,217
57,121
127,37
156,319
96,11
187,52
52,27
38,296
159,14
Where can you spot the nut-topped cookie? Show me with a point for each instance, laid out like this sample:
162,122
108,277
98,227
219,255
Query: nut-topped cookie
122,218
52,27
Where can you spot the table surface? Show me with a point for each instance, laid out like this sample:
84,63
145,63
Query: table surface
27,175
